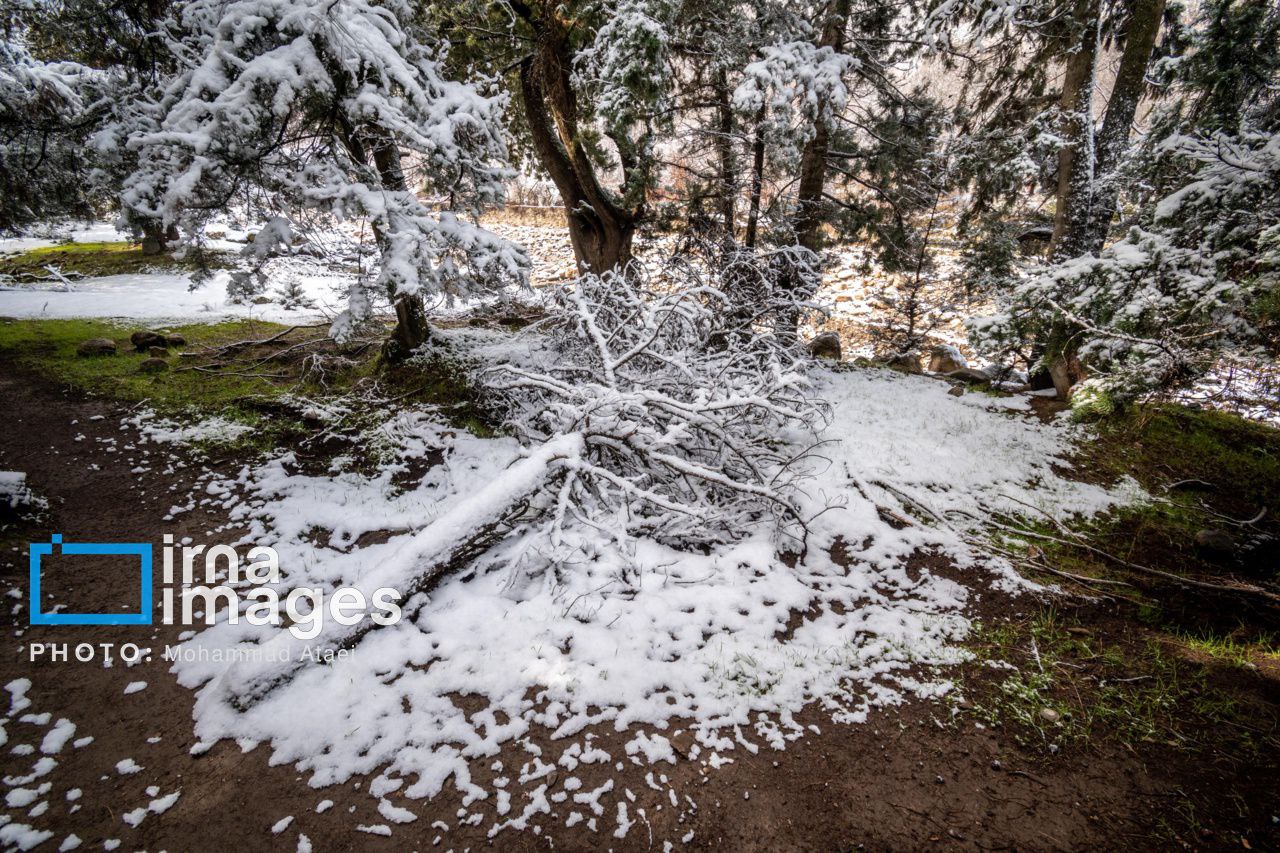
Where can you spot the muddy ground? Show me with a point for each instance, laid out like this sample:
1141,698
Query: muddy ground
922,776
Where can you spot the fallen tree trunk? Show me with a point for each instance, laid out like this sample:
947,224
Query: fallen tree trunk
445,545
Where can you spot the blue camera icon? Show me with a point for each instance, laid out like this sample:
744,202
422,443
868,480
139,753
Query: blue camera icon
141,550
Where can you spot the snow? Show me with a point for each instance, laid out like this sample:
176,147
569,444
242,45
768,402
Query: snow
157,297
81,232
624,638
134,687
57,737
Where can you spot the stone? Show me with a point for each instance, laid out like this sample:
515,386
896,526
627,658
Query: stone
97,346
262,300
905,362
1049,715
175,340
945,359
153,365
1217,542
157,352
968,374
142,341
826,345
956,391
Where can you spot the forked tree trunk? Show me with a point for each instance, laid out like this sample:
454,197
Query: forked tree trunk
155,239
601,228
1140,39
1087,186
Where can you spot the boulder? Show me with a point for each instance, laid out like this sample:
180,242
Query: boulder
945,359
905,362
97,346
157,352
968,374
153,365
175,340
262,300
826,345
1216,542
142,341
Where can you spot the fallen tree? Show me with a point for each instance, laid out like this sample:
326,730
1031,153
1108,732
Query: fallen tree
668,411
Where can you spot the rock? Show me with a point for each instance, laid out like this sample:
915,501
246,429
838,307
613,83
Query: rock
956,391
262,300
216,234
968,374
142,341
153,365
157,352
945,359
97,346
905,362
826,345
175,340
1217,542
1049,715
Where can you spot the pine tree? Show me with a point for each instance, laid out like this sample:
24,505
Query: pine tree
293,109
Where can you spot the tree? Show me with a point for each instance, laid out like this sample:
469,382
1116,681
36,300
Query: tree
340,110
80,75
1186,285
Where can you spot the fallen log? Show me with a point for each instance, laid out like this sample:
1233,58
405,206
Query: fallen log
445,545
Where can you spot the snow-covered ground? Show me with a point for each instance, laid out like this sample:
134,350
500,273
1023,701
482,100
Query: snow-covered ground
163,297
691,656
672,647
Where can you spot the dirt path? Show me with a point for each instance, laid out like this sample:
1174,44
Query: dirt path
909,778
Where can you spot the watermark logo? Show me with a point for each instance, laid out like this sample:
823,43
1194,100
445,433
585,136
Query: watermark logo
141,550
202,584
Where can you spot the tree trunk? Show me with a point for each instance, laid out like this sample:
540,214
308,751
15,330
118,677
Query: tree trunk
1087,187
155,239
1075,157
412,329
725,154
1140,39
810,209
600,227
757,181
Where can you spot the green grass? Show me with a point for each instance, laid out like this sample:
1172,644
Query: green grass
1139,690
96,259
49,347
1237,460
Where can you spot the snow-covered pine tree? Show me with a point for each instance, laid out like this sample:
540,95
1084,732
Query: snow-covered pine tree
1182,288
79,75
342,109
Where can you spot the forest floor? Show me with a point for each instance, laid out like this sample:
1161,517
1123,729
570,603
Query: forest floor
1115,709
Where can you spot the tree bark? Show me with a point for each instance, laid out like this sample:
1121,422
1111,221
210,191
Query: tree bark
1075,157
412,329
757,181
810,210
725,153
600,227
1087,186
1140,39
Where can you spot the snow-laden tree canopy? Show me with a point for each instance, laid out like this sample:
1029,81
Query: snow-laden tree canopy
341,109
46,110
